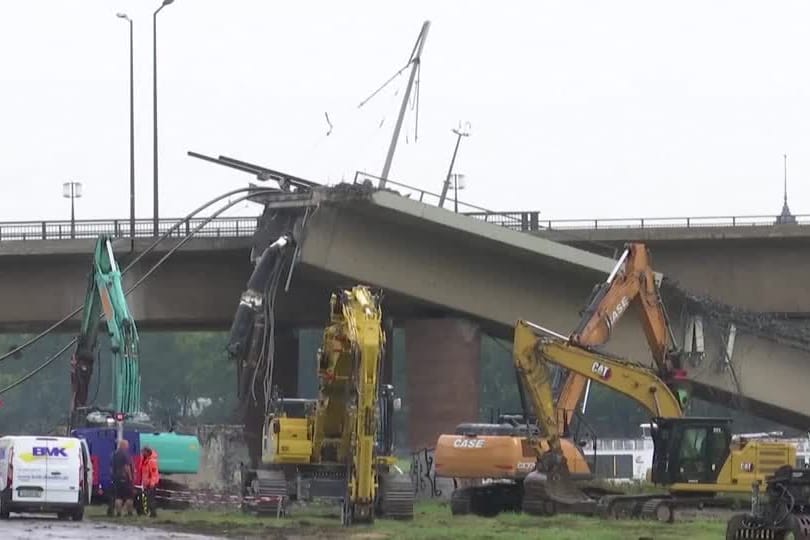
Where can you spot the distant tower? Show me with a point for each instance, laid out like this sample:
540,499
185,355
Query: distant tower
785,218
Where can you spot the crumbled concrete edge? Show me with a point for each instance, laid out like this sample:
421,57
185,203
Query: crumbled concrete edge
771,326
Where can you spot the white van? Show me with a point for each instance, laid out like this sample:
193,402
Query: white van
45,474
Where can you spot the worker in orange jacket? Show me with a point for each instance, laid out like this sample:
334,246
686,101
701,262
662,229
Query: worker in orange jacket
150,476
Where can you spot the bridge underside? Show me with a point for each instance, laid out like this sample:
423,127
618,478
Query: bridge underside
495,284
752,362
760,269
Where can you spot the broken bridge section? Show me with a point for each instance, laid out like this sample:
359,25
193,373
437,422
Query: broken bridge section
746,360
446,277
453,265
432,264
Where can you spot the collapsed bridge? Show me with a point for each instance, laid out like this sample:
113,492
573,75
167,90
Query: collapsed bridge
447,278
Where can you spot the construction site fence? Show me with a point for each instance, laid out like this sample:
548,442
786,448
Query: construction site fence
203,499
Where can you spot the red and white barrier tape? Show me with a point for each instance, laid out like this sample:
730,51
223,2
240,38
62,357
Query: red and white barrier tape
206,497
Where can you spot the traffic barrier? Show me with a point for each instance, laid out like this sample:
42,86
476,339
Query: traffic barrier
201,499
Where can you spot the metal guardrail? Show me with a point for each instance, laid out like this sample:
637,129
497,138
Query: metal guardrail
422,195
120,228
531,221
524,221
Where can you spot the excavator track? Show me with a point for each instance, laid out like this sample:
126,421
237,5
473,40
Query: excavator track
662,510
545,494
461,502
396,496
622,506
268,493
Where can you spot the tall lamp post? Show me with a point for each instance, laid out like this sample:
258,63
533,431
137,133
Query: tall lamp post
72,191
155,118
131,131
446,186
458,183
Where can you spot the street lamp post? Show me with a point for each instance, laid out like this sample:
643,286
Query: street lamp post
72,191
155,116
131,131
458,183
460,133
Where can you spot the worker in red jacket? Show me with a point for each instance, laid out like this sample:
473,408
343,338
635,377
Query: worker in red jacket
150,476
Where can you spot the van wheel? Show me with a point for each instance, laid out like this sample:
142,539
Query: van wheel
78,515
4,513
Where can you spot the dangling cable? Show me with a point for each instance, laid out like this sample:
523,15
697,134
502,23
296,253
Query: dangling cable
168,254
149,249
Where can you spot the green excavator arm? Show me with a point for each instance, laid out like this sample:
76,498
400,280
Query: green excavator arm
105,295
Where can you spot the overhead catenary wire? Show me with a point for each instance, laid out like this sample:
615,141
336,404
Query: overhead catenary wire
182,242
271,356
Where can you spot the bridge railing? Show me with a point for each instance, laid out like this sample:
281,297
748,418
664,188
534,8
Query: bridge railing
531,221
526,221
423,195
120,228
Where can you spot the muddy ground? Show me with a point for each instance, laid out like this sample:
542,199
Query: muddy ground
30,527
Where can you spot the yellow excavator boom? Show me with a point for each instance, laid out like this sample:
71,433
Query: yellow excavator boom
692,455
534,349
346,417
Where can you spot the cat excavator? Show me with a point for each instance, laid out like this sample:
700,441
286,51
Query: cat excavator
502,452
694,458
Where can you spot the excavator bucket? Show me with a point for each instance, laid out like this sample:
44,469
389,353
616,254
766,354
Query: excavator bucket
545,493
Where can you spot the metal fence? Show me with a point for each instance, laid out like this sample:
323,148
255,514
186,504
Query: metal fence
423,195
531,221
120,228
526,221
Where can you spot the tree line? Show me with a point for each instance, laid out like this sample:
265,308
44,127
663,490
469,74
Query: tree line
187,379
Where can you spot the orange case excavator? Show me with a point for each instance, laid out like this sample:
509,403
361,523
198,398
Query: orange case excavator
503,452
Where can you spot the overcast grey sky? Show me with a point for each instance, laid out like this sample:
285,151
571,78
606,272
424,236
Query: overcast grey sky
578,109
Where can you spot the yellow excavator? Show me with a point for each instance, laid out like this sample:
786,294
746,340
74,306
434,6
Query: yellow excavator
491,460
340,445
695,458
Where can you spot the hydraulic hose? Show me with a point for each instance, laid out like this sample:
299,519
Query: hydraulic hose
188,237
251,302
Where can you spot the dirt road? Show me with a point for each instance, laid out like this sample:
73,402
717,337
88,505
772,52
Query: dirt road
25,528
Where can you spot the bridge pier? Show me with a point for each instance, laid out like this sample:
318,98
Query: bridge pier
443,377
285,367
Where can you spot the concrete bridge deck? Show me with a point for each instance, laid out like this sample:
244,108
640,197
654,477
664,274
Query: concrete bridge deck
435,264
